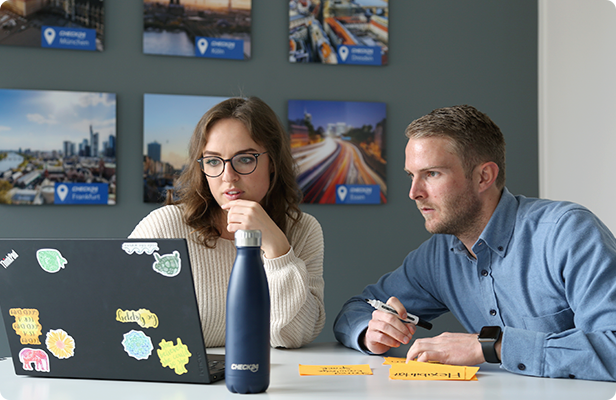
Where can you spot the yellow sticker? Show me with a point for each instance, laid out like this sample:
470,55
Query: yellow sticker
60,343
414,370
27,324
360,369
174,356
145,318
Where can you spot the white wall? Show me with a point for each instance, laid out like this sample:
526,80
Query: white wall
577,104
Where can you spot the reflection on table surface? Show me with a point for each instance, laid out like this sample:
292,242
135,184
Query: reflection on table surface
492,383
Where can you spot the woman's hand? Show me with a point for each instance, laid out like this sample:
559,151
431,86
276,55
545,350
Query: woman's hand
249,215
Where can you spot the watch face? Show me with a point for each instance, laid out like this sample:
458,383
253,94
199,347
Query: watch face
489,333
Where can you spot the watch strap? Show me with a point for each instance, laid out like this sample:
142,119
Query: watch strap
489,352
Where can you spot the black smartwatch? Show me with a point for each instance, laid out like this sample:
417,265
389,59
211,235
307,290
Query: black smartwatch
488,337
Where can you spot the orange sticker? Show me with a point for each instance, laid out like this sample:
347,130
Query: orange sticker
60,343
27,324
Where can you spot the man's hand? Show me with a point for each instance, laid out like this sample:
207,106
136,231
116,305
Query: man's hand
386,330
448,348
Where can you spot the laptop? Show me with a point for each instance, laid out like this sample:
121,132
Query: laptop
119,309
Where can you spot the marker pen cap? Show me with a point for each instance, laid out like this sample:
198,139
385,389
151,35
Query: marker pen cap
250,238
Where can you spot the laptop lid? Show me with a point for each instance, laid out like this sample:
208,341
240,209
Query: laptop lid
121,309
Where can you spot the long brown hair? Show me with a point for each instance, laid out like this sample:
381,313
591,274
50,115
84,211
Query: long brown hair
192,192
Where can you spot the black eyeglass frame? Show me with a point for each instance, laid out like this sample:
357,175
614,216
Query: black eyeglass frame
230,160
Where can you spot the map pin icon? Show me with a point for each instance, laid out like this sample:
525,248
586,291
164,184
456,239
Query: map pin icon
342,192
344,52
62,192
50,35
202,45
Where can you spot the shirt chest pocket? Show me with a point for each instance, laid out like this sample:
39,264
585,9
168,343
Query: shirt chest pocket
551,323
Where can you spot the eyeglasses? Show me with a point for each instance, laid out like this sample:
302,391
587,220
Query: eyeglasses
243,164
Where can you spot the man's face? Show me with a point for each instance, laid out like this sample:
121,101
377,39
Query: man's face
448,201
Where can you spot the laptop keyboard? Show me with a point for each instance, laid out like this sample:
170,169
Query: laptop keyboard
216,366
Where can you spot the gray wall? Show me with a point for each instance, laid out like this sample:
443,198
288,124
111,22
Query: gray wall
442,53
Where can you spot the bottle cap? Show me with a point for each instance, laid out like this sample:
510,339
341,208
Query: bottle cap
248,238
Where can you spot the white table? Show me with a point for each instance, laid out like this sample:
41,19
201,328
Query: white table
286,383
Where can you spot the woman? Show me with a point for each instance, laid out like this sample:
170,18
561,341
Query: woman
241,176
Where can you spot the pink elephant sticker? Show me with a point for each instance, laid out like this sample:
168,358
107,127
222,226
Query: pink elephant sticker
37,356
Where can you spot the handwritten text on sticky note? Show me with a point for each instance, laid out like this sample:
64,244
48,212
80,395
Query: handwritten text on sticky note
414,370
361,369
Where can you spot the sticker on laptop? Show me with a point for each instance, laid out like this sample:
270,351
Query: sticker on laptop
168,265
27,324
8,259
60,343
144,318
174,356
50,260
36,358
137,345
140,248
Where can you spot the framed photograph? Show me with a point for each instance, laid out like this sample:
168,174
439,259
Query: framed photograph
168,123
57,147
339,147
55,24
197,28
339,32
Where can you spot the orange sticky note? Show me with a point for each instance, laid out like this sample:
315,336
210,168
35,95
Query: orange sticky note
360,369
414,370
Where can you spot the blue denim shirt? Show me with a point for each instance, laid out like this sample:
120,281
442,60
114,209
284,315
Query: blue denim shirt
545,272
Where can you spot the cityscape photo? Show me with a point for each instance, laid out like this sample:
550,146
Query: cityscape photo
339,32
340,150
198,28
62,24
168,123
57,147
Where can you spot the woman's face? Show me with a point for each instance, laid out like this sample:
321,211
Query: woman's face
227,138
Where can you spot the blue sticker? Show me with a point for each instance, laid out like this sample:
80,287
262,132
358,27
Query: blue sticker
81,193
58,37
219,48
358,194
360,55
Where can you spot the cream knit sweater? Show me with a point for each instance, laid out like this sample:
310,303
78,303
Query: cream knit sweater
295,279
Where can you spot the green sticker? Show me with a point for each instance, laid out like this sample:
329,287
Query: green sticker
50,260
168,264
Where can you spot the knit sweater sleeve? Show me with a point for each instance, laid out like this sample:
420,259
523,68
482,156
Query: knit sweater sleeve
296,287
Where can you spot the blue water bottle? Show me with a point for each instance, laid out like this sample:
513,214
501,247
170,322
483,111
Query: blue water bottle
247,342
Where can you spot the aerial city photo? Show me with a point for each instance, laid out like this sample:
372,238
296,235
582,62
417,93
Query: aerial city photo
62,24
339,31
340,150
57,147
197,28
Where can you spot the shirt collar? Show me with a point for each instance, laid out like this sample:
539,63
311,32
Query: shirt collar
499,230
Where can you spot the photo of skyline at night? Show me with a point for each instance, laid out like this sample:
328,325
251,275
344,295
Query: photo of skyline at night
168,123
57,147
340,151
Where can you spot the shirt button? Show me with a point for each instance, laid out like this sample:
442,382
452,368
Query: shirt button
571,376
492,312
500,248
484,273
521,367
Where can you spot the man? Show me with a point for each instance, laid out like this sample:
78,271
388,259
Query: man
539,276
